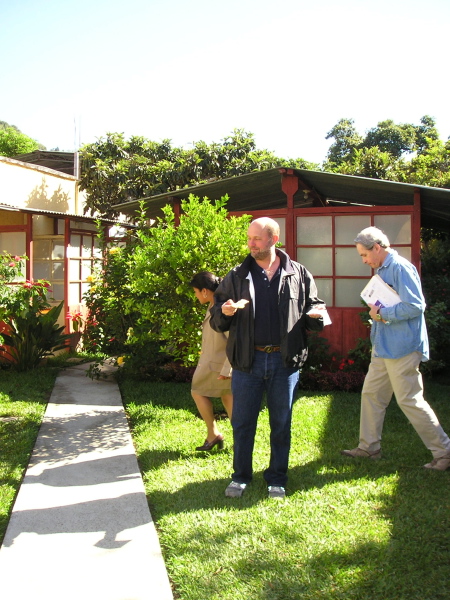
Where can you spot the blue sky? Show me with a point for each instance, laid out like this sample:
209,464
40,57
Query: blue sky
195,70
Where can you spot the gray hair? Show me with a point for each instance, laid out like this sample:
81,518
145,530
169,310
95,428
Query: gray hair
370,236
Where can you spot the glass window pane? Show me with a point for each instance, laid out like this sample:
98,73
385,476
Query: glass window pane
97,249
41,270
85,288
61,227
42,248
348,262
318,261
86,268
313,230
13,242
58,270
282,223
404,251
325,290
348,227
86,249
82,225
74,248
74,270
396,227
58,250
58,291
74,293
348,292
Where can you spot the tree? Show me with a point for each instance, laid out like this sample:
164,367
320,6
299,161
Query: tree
426,134
396,152
13,142
346,141
143,299
397,139
115,170
371,162
430,167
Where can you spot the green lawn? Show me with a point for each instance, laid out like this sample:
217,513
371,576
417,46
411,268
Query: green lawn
372,530
377,530
23,398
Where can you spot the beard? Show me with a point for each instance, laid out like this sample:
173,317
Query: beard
260,253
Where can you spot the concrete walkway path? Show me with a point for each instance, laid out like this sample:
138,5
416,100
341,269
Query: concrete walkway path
81,528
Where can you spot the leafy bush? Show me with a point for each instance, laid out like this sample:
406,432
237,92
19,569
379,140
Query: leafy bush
141,306
326,371
31,331
436,286
360,355
325,381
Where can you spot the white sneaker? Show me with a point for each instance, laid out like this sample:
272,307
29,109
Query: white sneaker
276,491
235,489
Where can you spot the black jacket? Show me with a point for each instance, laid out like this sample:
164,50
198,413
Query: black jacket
296,296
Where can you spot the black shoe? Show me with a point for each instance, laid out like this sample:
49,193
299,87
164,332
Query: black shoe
208,446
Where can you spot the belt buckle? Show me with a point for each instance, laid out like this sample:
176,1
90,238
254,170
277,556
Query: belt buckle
268,349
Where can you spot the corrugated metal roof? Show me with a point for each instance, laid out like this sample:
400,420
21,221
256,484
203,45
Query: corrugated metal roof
262,190
63,162
52,213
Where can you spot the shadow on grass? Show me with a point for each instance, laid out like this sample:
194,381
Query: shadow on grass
413,564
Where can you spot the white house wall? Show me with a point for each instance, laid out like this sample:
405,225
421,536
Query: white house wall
24,185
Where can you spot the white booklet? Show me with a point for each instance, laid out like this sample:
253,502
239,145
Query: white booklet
320,309
379,293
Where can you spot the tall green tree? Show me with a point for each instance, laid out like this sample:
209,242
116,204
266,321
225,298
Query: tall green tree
346,141
387,136
115,170
431,166
396,152
13,142
371,162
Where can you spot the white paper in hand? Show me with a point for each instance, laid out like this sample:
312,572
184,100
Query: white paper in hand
379,293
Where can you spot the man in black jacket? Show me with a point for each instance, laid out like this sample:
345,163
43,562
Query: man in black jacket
267,303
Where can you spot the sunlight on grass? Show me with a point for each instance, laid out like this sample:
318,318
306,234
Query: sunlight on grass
23,398
344,530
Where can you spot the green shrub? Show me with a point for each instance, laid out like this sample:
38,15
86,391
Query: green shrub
436,287
141,306
32,332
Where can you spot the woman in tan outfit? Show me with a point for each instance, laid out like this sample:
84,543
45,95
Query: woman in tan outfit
212,377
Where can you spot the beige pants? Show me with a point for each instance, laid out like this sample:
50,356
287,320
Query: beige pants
402,377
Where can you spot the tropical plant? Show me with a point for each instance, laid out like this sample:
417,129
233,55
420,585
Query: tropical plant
30,328
33,335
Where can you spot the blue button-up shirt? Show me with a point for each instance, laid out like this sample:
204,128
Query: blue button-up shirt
406,331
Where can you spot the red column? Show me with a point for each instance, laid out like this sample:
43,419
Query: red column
289,185
415,231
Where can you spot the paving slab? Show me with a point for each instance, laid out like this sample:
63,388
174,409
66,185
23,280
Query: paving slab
81,528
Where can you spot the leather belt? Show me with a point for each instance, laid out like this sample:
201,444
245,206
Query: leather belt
268,349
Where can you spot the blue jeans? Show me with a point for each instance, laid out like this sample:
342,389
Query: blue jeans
268,374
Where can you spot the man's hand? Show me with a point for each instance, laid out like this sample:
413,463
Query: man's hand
373,312
229,307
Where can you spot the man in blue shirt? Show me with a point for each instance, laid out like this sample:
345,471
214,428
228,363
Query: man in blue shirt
399,343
